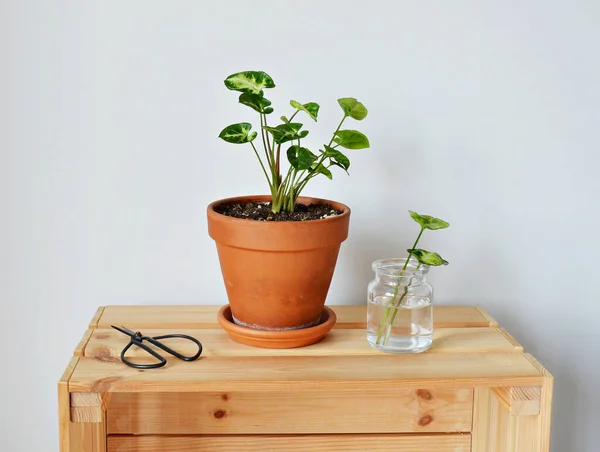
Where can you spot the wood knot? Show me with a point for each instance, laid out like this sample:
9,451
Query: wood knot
220,414
426,420
101,336
224,397
424,394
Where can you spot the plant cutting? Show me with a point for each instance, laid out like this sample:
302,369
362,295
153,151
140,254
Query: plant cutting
278,251
405,279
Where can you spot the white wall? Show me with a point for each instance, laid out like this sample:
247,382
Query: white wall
484,113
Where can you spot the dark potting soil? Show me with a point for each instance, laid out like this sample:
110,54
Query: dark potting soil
262,212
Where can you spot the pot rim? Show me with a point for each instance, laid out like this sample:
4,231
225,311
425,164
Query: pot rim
259,198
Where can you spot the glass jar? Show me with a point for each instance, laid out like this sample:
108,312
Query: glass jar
400,311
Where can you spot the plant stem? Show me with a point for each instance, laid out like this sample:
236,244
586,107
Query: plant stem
337,130
394,305
262,166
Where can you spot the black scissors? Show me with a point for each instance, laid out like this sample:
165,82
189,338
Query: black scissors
138,339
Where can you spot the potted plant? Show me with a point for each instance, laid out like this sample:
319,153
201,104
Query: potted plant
278,251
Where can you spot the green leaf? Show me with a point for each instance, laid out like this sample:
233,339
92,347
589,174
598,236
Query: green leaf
321,169
249,82
353,108
428,257
300,158
256,102
238,133
428,222
284,119
337,158
287,132
351,139
311,108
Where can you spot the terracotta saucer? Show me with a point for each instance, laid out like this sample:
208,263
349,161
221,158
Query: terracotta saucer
279,338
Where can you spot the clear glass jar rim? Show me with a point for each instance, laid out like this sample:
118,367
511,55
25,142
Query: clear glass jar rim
394,266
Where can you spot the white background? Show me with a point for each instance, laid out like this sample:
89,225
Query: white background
484,113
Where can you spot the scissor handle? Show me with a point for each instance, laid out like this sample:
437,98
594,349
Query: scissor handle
155,341
134,341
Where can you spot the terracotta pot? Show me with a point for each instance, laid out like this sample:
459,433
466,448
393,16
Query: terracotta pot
277,274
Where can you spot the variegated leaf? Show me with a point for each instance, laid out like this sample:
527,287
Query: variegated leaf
428,222
311,108
238,133
428,257
287,132
249,82
300,158
256,102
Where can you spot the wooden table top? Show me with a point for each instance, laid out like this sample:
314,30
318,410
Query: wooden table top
469,350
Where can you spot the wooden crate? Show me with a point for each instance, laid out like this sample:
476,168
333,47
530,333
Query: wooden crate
474,390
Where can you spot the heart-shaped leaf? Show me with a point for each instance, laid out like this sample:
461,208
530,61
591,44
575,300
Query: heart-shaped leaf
311,108
351,139
337,158
428,257
287,132
428,222
238,133
249,82
353,108
256,102
321,169
300,158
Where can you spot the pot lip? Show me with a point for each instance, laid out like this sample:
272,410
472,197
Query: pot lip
218,216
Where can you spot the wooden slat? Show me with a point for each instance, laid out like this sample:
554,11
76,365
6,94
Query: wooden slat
82,343
376,410
108,344
487,316
88,437
96,319
520,400
545,405
64,406
326,372
193,317
321,443
480,433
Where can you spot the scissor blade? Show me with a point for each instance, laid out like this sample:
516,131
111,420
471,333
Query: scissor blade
124,330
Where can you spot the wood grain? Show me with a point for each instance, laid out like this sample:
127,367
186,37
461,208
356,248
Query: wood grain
108,343
520,400
96,319
321,443
79,350
378,410
64,406
545,405
201,317
255,373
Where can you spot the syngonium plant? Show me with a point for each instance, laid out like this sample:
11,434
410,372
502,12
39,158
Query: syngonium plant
304,165
423,257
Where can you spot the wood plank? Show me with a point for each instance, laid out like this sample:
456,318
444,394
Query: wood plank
545,404
492,321
200,317
82,343
510,338
480,433
88,437
520,400
108,344
376,410
64,406
215,373
321,443
96,319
